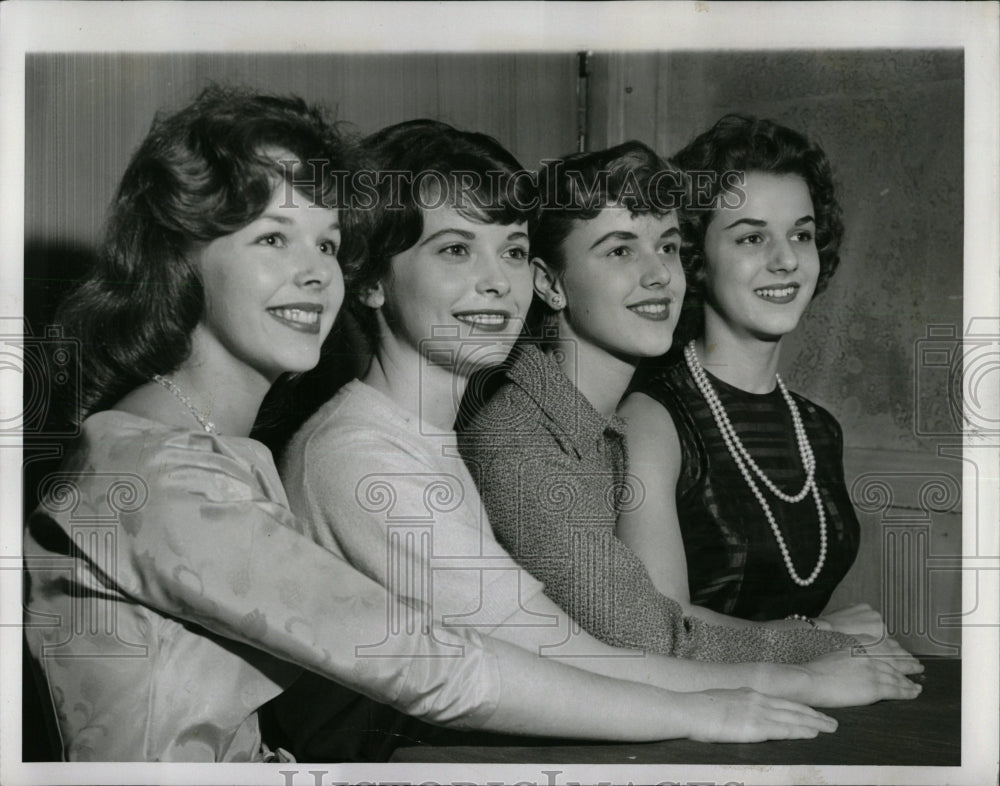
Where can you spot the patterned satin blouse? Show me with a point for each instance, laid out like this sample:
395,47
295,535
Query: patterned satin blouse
734,564
168,597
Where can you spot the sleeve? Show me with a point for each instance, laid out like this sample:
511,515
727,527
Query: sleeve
557,520
204,544
411,523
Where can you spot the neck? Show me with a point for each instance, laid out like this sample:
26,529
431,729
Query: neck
601,377
746,363
228,397
432,393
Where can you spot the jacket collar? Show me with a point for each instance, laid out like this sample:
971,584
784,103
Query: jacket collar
573,421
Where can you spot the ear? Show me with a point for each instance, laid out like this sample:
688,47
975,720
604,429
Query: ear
547,285
374,297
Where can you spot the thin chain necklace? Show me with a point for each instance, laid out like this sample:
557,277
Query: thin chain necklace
170,385
748,467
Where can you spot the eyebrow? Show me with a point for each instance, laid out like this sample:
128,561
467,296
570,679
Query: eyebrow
622,235
465,234
756,222
285,220
462,233
616,235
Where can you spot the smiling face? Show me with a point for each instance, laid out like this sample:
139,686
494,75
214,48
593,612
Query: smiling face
460,294
623,283
761,263
272,289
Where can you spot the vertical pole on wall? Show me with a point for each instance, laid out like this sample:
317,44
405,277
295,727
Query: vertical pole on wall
582,99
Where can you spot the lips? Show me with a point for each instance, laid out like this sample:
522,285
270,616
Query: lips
785,293
656,310
485,321
303,317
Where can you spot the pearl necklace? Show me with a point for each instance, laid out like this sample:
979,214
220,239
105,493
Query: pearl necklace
170,385
747,465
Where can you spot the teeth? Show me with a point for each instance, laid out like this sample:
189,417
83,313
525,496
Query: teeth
297,315
650,308
483,319
783,292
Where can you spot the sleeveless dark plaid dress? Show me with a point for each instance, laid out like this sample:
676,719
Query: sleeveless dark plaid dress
734,564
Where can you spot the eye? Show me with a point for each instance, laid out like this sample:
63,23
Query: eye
620,251
273,239
328,247
670,248
803,236
455,250
753,239
516,253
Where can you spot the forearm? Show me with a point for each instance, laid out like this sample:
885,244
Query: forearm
726,621
543,697
581,650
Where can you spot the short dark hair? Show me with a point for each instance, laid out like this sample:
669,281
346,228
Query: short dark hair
202,172
470,171
739,143
579,186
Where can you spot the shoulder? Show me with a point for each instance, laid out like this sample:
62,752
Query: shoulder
355,426
120,441
510,418
650,432
669,386
817,416
141,470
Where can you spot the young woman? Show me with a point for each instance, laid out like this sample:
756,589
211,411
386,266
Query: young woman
376,471
548,452
746,511
169,595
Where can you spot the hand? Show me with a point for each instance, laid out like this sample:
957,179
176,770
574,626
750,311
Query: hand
889,650
743,715
841,679
857,620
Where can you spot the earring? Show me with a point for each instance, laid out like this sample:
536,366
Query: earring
556,301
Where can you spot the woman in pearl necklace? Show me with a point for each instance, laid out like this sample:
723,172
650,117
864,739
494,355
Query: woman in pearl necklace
746,512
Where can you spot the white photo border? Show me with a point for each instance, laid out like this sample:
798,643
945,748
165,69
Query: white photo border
28,27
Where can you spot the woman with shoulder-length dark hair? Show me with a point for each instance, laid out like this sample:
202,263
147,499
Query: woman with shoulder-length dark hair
747,513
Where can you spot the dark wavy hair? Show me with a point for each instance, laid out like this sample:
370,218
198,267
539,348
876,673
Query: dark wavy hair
202,172
738,143
578,187
421,163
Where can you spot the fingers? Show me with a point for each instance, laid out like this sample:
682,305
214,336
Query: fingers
779,719
890,683
889,651
897,686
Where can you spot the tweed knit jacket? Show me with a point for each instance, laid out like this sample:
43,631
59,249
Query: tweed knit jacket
552,474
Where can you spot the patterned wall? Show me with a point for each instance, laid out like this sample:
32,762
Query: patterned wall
892,124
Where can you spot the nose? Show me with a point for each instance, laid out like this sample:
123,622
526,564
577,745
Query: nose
783,257
656,271
315,270
493,279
